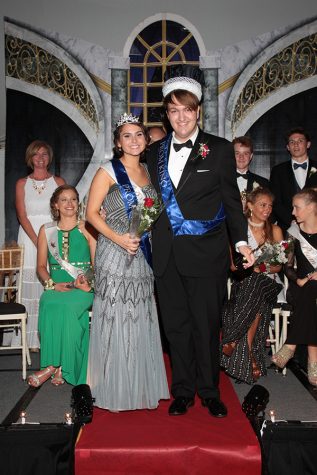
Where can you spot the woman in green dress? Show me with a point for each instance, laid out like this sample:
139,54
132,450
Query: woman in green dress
68,247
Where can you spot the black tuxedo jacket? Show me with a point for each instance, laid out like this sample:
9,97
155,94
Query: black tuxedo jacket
204,185
254,178
284,186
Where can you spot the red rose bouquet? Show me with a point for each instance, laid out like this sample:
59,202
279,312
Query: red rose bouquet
144,216
272,255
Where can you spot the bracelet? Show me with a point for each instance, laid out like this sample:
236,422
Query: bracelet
49,284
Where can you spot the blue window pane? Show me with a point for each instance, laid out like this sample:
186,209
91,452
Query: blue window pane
153,33
136,94
154,74
136,75
136,111
137,52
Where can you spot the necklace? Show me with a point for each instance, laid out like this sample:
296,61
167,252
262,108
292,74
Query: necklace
39,188
255,225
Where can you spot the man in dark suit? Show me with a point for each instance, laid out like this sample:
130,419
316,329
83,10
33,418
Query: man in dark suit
194,172
246,180
290,177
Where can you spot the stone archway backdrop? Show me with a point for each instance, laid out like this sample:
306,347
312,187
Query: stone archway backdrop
283,69
245,82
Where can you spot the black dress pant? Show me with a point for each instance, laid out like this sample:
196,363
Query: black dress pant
191,313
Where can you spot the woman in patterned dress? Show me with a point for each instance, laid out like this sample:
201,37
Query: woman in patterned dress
247,314
126,369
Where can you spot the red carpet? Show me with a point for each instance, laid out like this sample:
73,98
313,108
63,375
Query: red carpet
152,442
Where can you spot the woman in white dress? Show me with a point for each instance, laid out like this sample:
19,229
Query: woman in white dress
32,199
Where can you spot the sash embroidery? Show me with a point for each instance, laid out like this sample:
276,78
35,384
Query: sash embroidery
308,250
130,199
180,225
51,232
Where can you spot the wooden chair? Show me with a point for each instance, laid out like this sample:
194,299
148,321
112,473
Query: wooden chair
12,313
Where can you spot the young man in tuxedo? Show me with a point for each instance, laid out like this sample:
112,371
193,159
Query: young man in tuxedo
194,172
246,180
290,177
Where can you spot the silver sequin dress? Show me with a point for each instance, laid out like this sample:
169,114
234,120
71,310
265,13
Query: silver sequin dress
126,369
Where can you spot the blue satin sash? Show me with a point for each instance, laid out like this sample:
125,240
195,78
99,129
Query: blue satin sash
130,199
180,225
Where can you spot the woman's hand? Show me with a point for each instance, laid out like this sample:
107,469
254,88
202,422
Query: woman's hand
63,287
247,252
82,283
310,276
302,282
128,242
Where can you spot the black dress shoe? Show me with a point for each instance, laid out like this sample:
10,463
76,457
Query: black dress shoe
215,407
180,405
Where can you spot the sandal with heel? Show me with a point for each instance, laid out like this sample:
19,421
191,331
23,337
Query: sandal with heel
312,372
35,380
256,373
57,378
282,357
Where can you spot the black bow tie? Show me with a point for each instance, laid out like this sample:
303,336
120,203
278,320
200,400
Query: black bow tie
300,165
179,146
242,175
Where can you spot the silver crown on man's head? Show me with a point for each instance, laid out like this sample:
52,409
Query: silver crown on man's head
184,83
127,119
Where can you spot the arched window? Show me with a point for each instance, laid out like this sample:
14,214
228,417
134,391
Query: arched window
160,44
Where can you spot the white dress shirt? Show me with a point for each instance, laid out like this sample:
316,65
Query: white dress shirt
242,182
177,160
300,173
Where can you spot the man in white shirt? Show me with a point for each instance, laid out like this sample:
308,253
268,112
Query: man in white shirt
290,177
194,172
246,180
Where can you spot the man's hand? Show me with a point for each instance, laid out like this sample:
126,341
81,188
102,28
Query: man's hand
246,251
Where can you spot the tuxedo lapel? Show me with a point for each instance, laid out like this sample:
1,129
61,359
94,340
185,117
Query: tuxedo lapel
250,181
310,172
290,180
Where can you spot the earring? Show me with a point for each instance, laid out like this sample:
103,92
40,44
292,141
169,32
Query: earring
250,213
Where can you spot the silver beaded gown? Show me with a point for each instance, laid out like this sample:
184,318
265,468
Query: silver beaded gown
126,369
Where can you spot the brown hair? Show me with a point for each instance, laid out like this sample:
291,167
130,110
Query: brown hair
245,141
252,197
118,153
54,198
298,130
32,150
185,98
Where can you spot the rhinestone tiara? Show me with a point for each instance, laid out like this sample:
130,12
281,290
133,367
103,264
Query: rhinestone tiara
184,83
127,119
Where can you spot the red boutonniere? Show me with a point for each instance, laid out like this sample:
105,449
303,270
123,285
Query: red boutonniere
203,150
